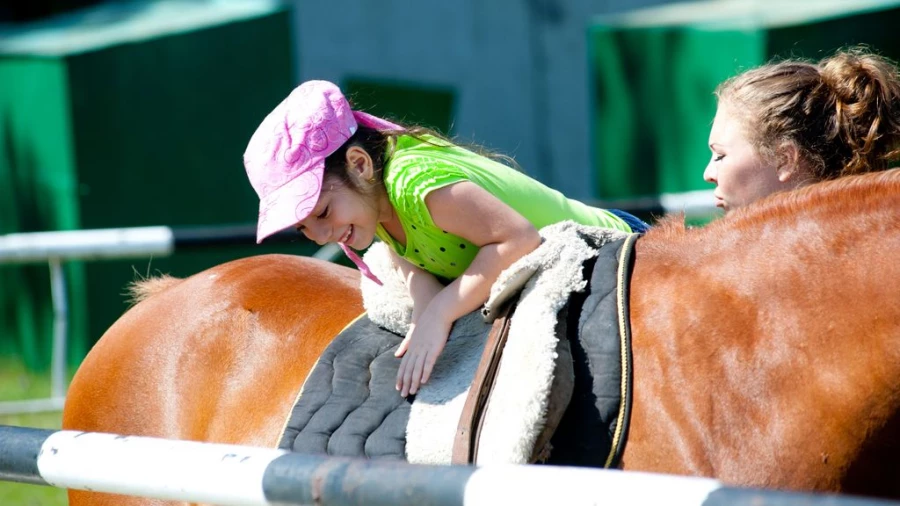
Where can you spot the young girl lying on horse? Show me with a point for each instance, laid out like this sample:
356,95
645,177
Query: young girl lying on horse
453,219
789,124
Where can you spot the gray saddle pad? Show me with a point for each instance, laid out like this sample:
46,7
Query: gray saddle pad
349,406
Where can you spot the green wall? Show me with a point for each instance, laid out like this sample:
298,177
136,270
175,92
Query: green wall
37,192
407,102
128,133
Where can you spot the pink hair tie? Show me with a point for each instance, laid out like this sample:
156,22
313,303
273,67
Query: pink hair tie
363,268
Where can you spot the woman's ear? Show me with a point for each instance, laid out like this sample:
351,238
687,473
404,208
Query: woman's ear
359,163
790,163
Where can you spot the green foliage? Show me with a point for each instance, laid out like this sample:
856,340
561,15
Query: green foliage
17,383
20,494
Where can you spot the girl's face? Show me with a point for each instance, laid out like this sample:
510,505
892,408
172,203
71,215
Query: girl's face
341,215
740,174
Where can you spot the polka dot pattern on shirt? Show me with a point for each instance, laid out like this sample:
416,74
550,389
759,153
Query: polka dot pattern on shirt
437,251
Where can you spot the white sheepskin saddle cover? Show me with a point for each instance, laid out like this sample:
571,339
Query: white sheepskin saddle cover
516,414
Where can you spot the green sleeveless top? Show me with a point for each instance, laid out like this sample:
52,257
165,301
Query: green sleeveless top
416,168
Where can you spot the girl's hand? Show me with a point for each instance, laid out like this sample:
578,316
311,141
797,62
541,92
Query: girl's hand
420,349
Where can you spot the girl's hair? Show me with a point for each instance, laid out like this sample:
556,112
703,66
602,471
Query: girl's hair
843,114
373,141
378,144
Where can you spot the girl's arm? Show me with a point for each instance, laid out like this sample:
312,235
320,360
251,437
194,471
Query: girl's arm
503,236
422,285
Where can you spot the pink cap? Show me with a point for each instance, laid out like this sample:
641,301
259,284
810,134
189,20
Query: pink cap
285,158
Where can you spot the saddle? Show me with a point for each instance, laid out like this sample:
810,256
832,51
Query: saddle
500,390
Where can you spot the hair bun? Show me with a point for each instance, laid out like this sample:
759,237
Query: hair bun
865,89
857,77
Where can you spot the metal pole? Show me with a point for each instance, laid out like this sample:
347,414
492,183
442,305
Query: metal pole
57,398
329,252
60,329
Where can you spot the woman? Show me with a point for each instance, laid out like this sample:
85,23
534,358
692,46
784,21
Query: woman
793,123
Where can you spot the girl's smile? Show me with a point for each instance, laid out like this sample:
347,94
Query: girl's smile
347,237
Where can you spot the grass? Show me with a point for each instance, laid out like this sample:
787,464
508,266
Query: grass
16,383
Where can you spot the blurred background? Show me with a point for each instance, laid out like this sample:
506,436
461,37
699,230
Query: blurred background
129,114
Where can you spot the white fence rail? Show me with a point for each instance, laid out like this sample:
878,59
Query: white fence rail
249,476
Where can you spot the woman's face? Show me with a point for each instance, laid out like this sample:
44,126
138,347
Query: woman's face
740,174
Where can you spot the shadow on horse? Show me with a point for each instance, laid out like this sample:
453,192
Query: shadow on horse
766,347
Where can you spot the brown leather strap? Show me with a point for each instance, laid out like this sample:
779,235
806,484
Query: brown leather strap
466,440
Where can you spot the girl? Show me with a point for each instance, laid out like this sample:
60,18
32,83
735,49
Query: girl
789,124
452,218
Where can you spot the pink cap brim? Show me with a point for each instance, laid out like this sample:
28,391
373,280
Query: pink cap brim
367,120
283,207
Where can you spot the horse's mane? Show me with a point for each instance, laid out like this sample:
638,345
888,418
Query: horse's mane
142,289
867,199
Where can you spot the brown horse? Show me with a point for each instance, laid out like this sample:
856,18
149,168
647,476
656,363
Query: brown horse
766,347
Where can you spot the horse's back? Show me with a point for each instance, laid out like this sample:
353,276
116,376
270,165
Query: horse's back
216,357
